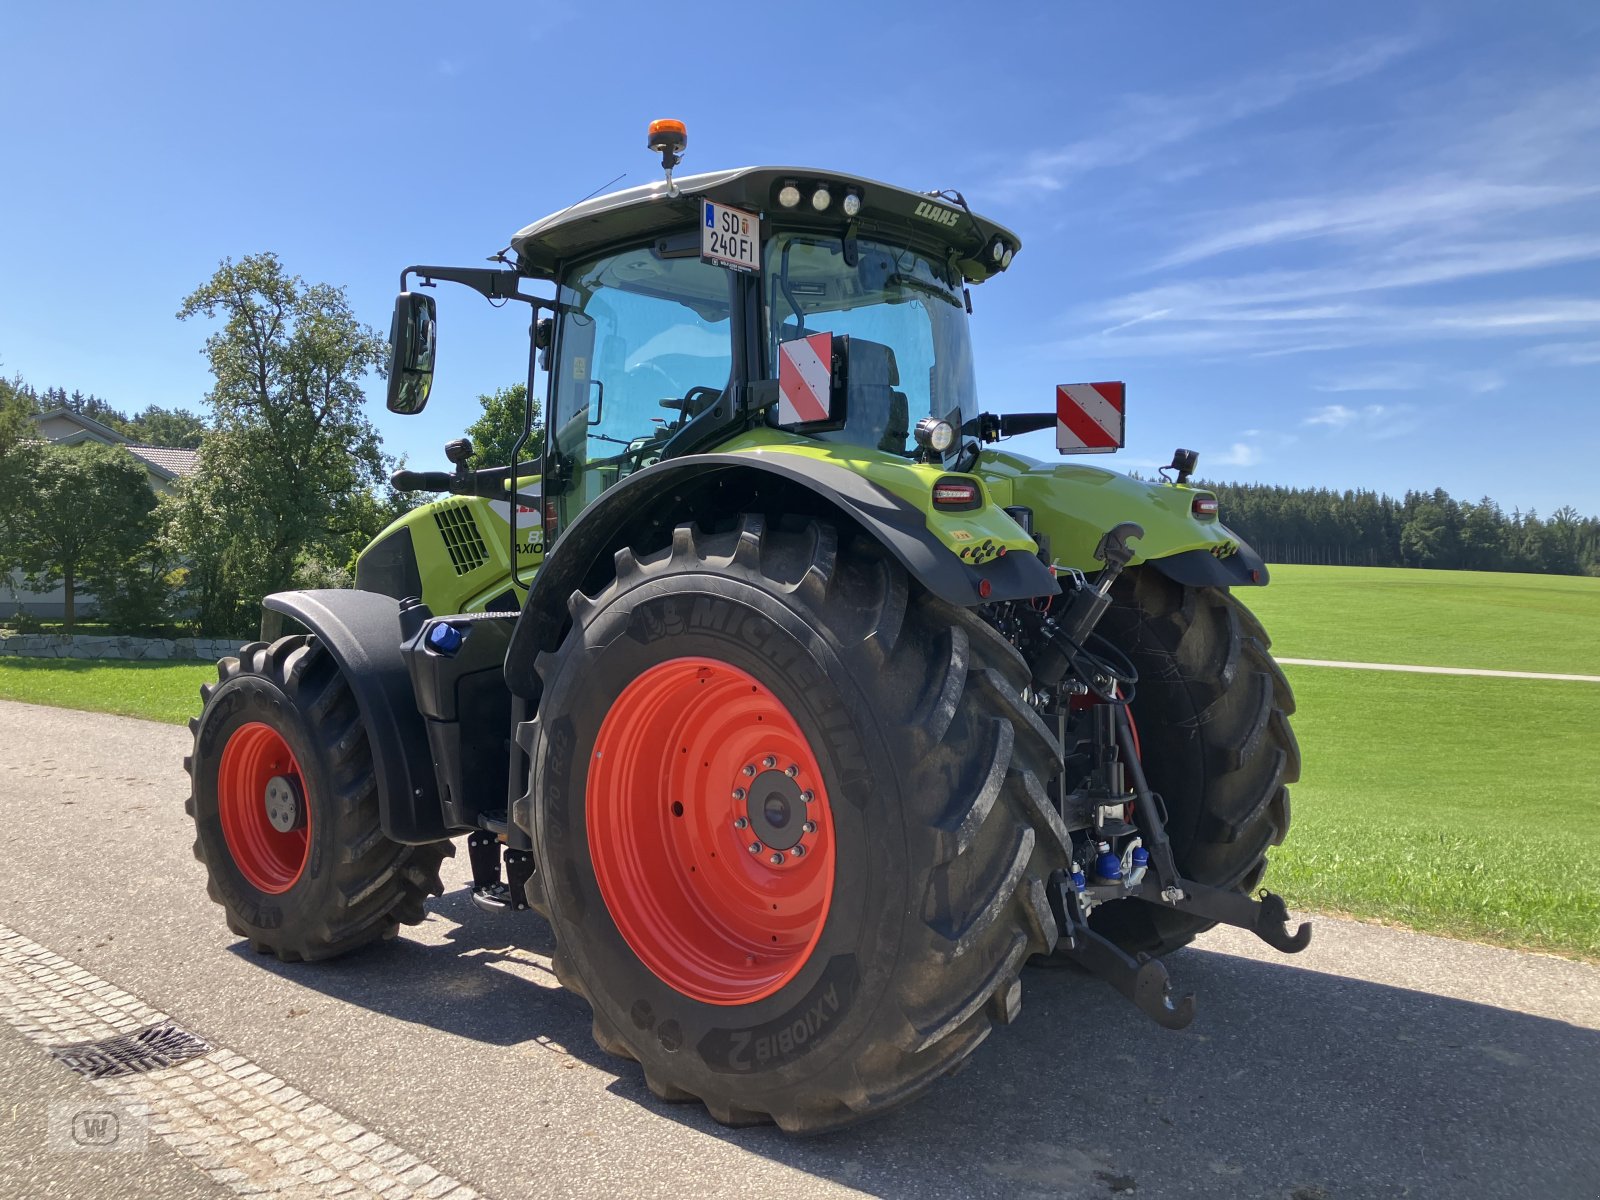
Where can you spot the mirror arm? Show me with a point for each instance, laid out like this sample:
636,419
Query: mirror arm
493,285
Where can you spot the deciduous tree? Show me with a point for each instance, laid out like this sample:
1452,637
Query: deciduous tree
499,426
176,427
291,448
16,457
86,516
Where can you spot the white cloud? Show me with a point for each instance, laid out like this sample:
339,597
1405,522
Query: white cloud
1375,422
1240,454
1506,185
1567,354
1144,124
1264,330
1411,205
1410,377
1282,295
1336,416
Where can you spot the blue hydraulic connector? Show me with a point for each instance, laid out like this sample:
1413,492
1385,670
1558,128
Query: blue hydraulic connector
1141,857
1107,866
1078,881
444,638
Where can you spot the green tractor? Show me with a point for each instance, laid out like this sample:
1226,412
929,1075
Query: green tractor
805,714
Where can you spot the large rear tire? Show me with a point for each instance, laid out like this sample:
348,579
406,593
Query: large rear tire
823,987
1212,709
286,809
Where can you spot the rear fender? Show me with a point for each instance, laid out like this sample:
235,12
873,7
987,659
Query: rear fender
362,632
643,508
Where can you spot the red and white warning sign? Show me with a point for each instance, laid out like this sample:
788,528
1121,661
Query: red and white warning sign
1089,418
805,370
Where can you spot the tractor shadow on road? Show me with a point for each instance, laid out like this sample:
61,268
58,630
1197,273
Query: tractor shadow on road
1290,1082
489,980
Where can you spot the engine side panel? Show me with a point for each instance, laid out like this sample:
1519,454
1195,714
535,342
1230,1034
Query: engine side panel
456,554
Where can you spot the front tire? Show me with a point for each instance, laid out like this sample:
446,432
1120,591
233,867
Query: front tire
285,807
933,837
1212,710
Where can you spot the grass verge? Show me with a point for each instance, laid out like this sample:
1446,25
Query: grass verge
1453,805
157,691
1433,618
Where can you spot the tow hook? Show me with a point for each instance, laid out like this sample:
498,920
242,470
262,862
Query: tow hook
1140,978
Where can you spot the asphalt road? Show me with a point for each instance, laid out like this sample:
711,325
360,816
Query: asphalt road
1378,1063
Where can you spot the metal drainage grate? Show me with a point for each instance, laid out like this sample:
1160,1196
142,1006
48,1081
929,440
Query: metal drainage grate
132,1053
459,531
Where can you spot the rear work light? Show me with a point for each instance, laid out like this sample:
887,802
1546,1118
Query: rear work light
956,495
1204,507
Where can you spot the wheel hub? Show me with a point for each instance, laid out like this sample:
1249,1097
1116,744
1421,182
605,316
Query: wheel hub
285,809
775,807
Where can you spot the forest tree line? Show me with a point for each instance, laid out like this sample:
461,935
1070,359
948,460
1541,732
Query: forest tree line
1423,529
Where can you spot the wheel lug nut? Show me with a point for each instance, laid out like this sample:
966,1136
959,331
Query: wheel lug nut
776,860
809,827
792,771
755,847
806,797
769,762
738,793
797,852
748,770
740,823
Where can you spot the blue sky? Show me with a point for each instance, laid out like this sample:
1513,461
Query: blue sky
1351,244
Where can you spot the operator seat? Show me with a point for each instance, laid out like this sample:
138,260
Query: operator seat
879,414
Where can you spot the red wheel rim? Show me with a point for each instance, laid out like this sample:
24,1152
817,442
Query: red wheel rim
272,860
696,763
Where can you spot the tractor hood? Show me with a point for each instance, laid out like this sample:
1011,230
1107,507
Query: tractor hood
1074,504
923,221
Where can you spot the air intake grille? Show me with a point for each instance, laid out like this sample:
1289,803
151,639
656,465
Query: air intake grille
461,538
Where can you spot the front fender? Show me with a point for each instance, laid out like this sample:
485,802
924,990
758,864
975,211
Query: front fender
362,632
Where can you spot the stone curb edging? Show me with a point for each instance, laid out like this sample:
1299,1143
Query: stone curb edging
66,645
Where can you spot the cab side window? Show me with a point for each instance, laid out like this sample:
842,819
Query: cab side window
644,343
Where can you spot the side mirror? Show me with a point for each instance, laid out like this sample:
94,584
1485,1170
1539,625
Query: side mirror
411,351
813,383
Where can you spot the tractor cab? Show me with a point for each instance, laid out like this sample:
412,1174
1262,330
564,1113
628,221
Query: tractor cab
680,307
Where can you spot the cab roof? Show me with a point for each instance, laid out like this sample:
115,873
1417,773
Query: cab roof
923,221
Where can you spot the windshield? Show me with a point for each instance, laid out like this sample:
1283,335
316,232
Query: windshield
910,348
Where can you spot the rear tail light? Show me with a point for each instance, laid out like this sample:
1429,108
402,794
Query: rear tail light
1204,507
956,495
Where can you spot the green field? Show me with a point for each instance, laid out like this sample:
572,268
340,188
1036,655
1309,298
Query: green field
1457,805
1433,618
157,691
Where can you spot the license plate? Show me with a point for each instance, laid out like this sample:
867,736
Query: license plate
730,238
